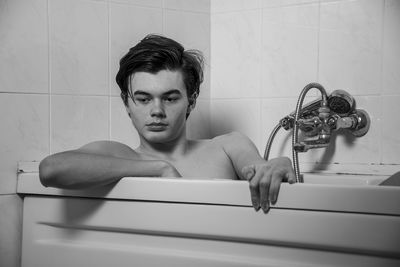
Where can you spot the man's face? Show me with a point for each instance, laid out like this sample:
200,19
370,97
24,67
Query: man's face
159,106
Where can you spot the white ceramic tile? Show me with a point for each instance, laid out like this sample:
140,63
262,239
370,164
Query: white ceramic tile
234,5
122,129
198,124
236,115
350,62
189,5
79,47
351,45
280,3
128,25
23,49
192,30
390,130
299,16
236,54
10,230
391,48
289,52
24,134
144,3
78,120
357,16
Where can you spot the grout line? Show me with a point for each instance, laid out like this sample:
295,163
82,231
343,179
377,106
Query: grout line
108,67
318,41
381,83
49,77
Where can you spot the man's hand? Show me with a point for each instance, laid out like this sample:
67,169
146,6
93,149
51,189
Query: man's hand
265,180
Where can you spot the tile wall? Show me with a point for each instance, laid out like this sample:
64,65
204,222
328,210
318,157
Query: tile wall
58,60
264,52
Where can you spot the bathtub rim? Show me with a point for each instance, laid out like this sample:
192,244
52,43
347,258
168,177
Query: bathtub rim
369,199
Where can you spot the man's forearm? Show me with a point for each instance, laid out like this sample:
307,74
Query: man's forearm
76,170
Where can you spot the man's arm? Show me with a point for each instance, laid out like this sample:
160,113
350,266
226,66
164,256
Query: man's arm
98,163
264,177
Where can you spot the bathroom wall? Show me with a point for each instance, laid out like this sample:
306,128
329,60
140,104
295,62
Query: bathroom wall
58,60
264,52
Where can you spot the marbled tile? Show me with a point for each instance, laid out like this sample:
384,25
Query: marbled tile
289,50
351,46
390,130
281,3
144,3
128,25
24,134
391,48
222,6
189,5
78,120
241,115
192,30
24,46
236,54
79,47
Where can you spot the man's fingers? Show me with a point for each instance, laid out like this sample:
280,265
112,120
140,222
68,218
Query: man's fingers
255,191
277,178
248,172
265,184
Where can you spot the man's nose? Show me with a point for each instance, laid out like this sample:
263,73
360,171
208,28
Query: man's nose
157,110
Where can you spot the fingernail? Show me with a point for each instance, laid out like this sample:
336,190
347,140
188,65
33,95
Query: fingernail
256,206
265,207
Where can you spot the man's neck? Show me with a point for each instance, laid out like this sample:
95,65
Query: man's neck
170,150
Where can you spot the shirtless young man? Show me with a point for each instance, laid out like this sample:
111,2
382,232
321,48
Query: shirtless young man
159,84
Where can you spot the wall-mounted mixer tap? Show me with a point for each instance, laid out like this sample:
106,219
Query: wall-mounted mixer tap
318,119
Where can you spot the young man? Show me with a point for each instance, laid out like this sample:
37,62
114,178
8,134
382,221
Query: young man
159,84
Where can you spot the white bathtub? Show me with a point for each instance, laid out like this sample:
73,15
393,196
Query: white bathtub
327,221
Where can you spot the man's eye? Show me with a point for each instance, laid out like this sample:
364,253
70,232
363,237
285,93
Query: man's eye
142,100
171,99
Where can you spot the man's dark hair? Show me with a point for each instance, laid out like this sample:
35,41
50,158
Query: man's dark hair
155,53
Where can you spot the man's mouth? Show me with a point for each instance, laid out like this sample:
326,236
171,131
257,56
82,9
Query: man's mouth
157,126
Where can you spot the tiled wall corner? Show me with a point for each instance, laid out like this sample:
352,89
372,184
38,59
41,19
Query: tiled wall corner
242,115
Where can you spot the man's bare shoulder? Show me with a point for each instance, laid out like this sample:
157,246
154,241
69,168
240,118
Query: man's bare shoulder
109,148
232,139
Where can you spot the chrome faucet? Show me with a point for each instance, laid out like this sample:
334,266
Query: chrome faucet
318,119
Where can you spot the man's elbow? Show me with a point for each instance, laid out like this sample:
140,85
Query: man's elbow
46,172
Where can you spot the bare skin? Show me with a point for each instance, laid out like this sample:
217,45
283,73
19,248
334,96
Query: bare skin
158,112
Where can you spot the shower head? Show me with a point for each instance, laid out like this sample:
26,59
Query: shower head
341,102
